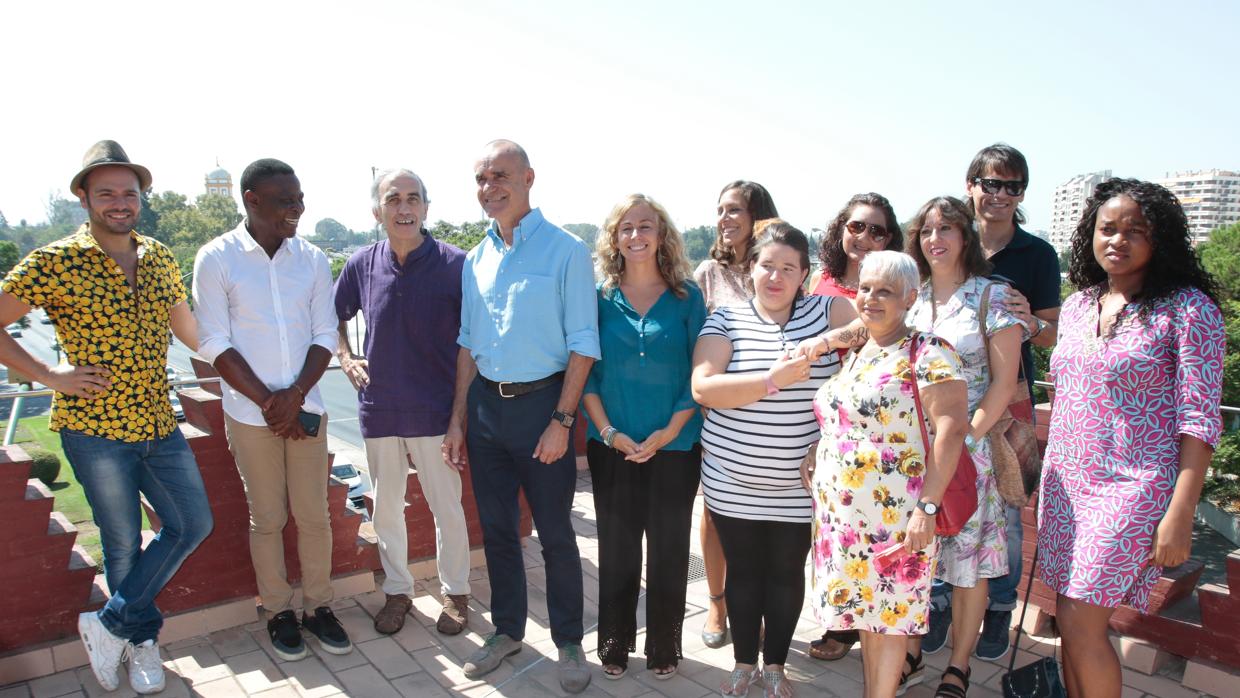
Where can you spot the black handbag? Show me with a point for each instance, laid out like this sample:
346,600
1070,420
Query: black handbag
1039,679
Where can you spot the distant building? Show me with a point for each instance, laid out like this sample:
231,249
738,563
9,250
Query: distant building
1069,204
219,182
1211,199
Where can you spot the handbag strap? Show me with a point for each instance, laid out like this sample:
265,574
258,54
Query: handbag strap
1020,627
921,420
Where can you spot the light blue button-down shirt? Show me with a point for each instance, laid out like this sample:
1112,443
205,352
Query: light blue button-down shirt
525,307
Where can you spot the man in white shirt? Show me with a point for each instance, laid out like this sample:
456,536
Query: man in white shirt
263,300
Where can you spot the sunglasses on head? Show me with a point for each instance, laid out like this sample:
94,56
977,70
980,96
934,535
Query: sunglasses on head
1013,187
878,233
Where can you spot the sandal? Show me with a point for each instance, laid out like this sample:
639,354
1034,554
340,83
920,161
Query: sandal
951,690
916,672
614,672
663,673
739,681
833,645
776,684
715,640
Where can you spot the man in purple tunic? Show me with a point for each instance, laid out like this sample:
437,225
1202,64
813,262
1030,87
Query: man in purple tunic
408,289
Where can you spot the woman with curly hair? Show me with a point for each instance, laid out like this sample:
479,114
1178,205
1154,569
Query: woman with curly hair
958,303
724,280
865,224
643,446
1138,381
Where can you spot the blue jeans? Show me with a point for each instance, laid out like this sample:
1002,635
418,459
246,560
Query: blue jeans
112,474
1001,590
501,436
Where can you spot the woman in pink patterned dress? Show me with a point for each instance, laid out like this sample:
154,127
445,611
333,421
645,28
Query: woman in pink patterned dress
1138,380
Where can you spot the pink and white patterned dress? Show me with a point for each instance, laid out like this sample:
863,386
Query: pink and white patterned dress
1113,453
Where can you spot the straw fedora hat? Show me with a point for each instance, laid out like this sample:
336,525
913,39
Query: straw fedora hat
106,153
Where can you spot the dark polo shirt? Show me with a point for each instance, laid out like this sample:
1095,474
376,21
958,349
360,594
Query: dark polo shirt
1031,265
413,315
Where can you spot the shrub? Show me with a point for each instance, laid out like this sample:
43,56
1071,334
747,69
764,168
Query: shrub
45,465
1227,455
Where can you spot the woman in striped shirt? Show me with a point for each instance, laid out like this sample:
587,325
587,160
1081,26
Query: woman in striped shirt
759,428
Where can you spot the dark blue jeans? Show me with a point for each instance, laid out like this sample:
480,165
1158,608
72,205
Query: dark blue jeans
112,474
501,436
1002,590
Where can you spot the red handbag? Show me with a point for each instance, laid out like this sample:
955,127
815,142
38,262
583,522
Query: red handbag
960,499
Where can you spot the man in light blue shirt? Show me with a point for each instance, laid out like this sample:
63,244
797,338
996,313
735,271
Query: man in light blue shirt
529,335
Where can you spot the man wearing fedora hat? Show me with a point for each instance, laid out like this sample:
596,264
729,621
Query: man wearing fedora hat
112,294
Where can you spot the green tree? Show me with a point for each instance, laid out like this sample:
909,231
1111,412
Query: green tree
331,231
9,256
1221,256
464,236
698,241
588,232
219,211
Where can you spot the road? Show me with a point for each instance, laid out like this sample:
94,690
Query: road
338,394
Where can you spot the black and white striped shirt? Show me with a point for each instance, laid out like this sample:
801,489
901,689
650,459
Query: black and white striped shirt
752,454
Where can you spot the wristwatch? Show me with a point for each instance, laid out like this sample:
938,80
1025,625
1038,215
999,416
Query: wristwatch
928,508
1042,324
565,420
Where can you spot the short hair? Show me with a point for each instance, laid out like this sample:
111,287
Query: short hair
399,172
261,170
672,262
1174,263
999,157
777,231
894,266
503,144
952,210
760,205
831,249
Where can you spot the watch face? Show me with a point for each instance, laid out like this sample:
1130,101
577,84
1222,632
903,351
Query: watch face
929,507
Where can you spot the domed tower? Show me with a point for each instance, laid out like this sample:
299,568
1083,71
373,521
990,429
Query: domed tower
219,182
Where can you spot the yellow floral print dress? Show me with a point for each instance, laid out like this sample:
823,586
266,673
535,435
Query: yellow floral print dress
869,474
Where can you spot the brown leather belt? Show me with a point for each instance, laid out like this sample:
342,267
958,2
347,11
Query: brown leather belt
511,389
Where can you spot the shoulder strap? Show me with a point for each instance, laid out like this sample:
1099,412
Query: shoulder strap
913,342
1020,625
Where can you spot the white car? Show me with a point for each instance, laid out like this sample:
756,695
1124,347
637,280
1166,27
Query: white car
357,480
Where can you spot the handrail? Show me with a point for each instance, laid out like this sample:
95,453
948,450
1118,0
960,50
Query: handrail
1225,409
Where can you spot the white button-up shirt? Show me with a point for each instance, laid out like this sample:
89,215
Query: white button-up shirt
270,309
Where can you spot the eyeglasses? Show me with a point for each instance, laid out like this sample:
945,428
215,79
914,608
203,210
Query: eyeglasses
878,233
1013,187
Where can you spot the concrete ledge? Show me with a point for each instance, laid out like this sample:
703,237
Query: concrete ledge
1211,678
1225,523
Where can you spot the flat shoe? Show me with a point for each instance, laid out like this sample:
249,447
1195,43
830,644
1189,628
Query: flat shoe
616,676
665,675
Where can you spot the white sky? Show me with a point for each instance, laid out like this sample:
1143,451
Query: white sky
816,100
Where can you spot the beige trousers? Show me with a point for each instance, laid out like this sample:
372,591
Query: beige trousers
389,458
282,474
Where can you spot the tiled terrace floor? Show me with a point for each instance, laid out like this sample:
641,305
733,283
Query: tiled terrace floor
420,662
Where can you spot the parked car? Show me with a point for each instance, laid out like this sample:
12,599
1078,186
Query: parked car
44,319
177,410
357,480
14,330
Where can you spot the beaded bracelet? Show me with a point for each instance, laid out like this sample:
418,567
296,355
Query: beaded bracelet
609,435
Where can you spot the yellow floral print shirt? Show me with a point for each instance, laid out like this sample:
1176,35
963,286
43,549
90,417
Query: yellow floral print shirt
101,321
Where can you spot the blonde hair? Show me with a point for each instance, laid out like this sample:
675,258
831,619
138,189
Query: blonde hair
670,256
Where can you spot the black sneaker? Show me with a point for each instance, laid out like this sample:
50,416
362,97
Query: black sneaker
996,636
936,636
329,631
286,636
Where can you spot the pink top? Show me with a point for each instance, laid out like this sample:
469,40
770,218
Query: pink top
827,287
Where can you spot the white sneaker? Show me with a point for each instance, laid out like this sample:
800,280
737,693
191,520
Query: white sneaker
146,668
104,649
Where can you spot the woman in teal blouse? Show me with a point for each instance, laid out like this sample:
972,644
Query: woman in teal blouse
644,427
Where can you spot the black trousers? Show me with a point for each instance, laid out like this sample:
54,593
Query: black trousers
654,498
766,582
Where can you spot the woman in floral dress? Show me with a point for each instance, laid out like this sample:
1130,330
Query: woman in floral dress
871,474
1138,381
948,250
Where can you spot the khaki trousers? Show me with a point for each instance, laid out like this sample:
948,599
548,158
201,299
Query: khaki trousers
280,474
389,458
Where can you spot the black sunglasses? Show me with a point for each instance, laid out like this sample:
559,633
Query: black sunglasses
1013,187
878,233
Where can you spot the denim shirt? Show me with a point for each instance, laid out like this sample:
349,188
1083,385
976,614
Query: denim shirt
525,307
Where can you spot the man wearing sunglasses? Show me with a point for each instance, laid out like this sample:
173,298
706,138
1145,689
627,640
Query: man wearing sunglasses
996,183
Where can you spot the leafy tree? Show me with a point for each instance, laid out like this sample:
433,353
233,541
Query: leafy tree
1221,256
337,264
331,230
464,236
697,242
9,256
148,219
220,213
588,232
65,214
4,223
